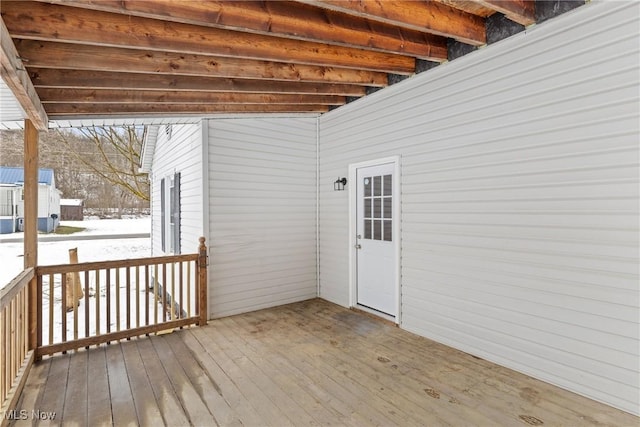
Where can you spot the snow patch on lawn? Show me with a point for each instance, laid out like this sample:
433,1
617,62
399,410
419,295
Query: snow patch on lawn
52,253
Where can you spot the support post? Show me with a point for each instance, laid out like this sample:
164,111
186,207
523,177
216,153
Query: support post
203,260
31,137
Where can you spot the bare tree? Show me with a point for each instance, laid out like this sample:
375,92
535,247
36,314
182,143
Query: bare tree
118,150
99,165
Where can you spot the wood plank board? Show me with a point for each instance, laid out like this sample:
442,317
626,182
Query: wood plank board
98,400
144,400
75,412
309,363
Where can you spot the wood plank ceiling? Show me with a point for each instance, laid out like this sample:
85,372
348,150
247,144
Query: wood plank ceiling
89,58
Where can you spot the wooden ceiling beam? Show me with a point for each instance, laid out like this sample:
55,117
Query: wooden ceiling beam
108,96
426,16
283,19
15,76
106,110
80,79
50,22
521,11
83,57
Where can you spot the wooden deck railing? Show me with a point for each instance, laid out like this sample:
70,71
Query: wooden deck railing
121,299
16,356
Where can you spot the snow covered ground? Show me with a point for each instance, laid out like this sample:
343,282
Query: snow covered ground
51,253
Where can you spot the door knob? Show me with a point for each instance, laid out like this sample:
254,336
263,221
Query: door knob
358,246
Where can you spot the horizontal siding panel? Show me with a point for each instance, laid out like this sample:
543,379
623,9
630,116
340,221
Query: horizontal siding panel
520,199
258,302
181,152
522,357
540,340
262,205
615,237
272,283
532,302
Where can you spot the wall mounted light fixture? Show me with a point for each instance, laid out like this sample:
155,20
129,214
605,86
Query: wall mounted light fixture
339,184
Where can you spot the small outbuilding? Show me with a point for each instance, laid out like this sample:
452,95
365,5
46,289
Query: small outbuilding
71,209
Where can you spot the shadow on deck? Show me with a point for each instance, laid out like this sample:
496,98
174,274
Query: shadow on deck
309,363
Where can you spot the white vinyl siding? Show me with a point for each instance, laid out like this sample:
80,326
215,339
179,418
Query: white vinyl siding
182,153
520,195
262,213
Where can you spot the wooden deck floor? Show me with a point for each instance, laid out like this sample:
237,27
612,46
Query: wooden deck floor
310,363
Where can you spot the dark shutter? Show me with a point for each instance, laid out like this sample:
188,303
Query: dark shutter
163,217
175,213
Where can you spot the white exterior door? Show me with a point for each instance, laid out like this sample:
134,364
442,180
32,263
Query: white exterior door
375,247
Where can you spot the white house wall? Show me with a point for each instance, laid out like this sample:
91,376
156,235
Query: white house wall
519,167
181,152
262,213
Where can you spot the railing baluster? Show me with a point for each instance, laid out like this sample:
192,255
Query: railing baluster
146,295
50,309
189,288
128,296
108,310
164,292
117,270
6,356
172,303
20,312
97,294
63,307
181,287
137,287
75,304
10,340
3,355
197,292
155,295
86,303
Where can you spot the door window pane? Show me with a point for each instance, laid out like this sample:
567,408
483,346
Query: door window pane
387,185
377,208
387,207
377,229
377,185
367,229
387,230
367,208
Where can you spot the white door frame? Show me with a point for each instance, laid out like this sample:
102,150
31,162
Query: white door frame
353,270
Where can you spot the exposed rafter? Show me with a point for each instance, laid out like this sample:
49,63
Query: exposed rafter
90,57
15,76
521,11
74,25
430,17
79,79
282,19
108,96
84,110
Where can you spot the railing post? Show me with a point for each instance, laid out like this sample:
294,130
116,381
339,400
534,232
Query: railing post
203,260
31,137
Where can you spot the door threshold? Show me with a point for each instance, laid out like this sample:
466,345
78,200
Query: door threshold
371,312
